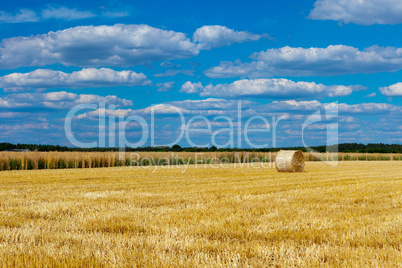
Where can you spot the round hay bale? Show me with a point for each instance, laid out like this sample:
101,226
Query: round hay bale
290,161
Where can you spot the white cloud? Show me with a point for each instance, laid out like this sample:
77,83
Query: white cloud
300,107
23,15
166,86
94,46
368,108
167,64
98,46
88,77
219,36
13,115
172,109
290,105
66,13
333,60
116,14
57,100
163,109
189,87
58,96
371,95
107,112
175,72
270,88
394,90
348,119
367,12
206,107
27,15
59,13
25,127
212,104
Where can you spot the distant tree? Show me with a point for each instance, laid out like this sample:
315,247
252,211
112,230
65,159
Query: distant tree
177,148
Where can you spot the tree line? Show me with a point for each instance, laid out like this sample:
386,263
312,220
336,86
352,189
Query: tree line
343,147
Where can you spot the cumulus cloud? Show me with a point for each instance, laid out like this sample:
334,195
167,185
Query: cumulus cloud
333,60
190,88
394,90
88,77
95,46
98,46
166,86
367,12
270,88
214,36
57,100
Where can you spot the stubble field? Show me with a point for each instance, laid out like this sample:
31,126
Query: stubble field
228,216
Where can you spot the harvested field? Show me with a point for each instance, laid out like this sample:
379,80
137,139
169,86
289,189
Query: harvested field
231,216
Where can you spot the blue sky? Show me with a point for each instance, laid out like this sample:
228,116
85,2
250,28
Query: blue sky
279,58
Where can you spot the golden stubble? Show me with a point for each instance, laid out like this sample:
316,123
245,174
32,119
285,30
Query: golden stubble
231,216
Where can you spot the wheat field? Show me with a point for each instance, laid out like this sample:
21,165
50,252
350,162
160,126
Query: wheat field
214,216
63,160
